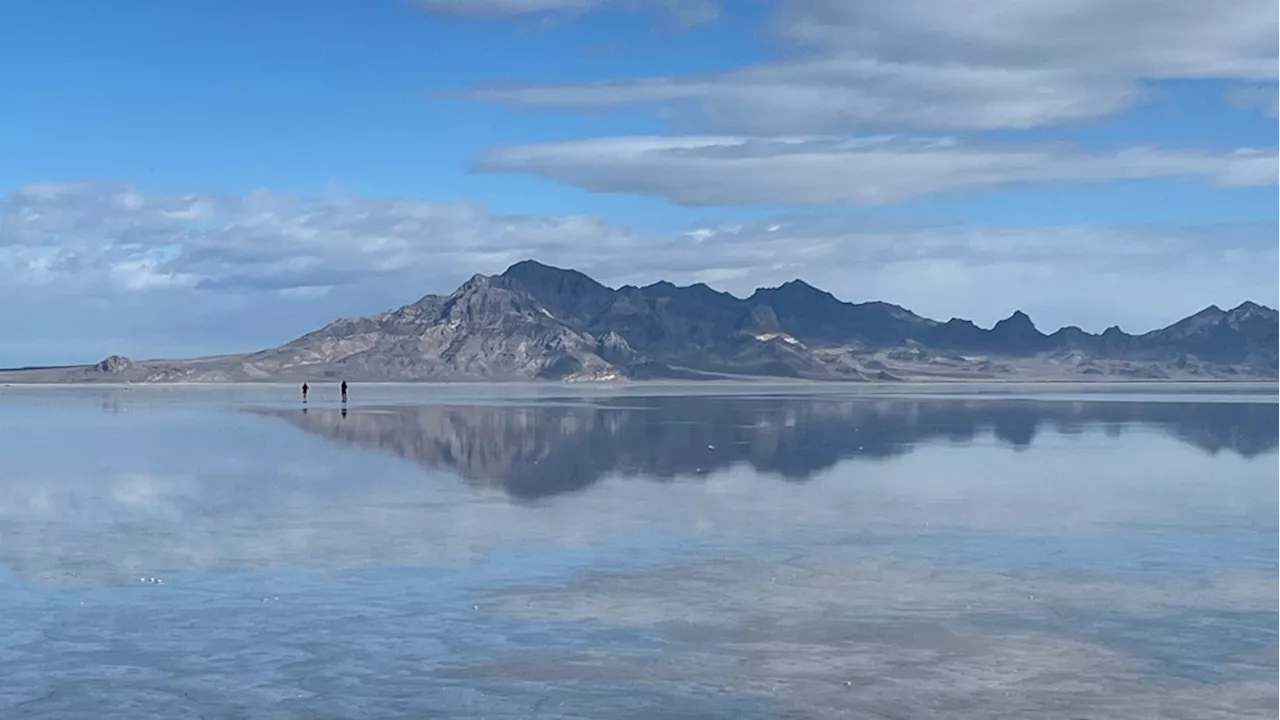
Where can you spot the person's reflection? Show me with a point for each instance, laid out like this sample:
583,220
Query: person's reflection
344,412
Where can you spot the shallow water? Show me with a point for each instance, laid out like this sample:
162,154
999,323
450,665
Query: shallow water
651,551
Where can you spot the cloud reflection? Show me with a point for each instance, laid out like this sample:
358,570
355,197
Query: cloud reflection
158,489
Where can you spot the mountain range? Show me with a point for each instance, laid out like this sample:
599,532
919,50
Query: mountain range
536,322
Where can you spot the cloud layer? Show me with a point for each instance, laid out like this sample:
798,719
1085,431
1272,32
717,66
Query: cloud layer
949,64
89,260
102,268
727,170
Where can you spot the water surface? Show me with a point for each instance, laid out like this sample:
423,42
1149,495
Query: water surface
702,551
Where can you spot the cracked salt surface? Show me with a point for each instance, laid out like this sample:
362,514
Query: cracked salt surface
192,560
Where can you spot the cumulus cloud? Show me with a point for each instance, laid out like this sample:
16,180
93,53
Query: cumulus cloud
87,269
111,237
949,64
738,170
684,12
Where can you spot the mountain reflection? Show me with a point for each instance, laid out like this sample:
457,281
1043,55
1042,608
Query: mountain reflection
545,449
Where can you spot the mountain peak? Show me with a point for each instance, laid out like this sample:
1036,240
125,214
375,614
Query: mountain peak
1248,312
1019,321
526,270
660,285
1211,311
476,282
793,291
568,294
1248,306
798,285
529,264
1017,335
534,276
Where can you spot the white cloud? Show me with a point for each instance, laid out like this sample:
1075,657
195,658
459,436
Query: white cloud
90,269
113,238
728,170
87,269
949,64
838,94
684,12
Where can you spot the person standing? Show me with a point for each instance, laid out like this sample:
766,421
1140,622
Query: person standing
304,392
344,391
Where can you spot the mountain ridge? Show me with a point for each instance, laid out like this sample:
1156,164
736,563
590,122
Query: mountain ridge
539,322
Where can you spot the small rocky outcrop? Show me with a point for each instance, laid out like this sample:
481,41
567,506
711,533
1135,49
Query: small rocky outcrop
615,349
114,365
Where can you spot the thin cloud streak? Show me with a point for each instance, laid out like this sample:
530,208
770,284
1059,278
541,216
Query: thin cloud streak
867,171
946,64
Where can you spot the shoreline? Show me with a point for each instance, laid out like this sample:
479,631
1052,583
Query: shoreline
744,380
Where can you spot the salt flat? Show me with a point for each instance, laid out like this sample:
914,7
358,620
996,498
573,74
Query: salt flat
639,550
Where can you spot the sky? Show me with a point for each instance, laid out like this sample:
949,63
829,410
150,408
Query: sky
186,178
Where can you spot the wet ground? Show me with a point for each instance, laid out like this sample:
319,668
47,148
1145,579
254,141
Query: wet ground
655,551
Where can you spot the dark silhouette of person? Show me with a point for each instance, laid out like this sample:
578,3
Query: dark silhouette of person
304,392
344,391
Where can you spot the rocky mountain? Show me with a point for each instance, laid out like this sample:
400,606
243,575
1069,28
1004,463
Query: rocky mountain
484,330
539,322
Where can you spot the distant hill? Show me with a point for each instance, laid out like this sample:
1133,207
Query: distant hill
540,322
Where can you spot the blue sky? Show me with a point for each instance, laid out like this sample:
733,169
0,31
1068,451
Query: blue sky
199,177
